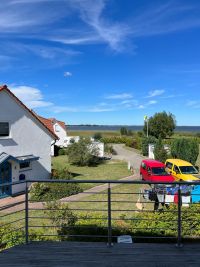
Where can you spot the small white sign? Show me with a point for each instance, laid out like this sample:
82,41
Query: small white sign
124,239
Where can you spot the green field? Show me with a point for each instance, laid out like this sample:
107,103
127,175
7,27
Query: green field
91,133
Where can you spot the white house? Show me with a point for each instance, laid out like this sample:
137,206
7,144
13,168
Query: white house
59,128
25,144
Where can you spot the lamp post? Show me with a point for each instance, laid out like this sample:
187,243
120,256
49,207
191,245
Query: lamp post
146,119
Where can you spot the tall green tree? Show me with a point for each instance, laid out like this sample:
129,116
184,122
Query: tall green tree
161,125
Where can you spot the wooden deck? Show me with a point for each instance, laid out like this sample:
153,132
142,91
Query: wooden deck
73,254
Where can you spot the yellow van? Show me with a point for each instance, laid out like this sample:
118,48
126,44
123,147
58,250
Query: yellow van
182,170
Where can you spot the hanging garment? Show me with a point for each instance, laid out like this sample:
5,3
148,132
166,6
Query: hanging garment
169,199
161,197
196,194
186,200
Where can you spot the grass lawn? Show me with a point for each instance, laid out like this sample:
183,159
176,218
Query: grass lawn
109,170
91,133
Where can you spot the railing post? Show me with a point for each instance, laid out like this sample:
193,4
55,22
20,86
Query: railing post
26,215
179,244
109,218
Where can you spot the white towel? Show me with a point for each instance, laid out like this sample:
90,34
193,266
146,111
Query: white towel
186,201
169,199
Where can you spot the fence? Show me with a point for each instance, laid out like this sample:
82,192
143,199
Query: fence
103,213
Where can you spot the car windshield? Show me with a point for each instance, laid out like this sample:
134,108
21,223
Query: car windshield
159,171
188,170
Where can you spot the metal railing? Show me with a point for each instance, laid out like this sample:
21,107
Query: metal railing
100,214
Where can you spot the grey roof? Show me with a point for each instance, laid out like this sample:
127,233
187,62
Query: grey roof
27,158
4,156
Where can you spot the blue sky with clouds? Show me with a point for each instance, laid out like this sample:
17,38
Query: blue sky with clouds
103,61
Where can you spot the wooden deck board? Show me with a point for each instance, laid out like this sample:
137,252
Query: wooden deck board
73,254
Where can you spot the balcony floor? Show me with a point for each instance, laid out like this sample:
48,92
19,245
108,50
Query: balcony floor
73,254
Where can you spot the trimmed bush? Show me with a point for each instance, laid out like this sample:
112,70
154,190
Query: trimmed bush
53,191
186,149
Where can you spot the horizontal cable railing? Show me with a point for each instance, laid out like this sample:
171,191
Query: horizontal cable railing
122,208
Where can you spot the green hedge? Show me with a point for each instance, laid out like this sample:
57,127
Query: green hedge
54,191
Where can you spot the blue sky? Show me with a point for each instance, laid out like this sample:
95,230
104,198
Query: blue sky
103,61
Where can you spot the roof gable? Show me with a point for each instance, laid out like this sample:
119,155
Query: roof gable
50,131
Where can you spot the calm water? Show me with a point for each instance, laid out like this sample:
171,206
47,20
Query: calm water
117,128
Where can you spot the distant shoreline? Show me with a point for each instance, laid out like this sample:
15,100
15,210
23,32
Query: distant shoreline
90,127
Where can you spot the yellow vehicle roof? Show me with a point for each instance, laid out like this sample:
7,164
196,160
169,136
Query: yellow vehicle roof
179,162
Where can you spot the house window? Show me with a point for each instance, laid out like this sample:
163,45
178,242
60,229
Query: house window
4,129
57,128
25,165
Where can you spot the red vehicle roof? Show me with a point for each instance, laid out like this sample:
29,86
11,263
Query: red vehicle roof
153,163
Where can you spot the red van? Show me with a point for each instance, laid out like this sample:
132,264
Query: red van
154,171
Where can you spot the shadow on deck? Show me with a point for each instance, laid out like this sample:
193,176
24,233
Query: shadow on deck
59,254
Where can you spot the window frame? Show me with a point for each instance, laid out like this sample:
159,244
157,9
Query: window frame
9,130
167,165
25,168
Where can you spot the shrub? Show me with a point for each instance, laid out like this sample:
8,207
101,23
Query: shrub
186,149
83,153
97,136
123,131
10,238
160,152
53,191
109,149
145,144
62,151
62,217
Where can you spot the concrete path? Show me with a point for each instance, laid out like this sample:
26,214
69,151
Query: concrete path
131,156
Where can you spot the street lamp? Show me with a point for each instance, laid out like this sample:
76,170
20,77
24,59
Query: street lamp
146,119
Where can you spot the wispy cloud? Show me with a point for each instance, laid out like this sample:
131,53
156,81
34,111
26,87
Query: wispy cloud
146,105
167,17
155,93
119,96
193,104
51,56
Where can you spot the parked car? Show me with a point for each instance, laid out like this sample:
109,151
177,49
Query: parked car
154,171
182,170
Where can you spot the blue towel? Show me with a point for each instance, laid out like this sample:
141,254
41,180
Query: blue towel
196,194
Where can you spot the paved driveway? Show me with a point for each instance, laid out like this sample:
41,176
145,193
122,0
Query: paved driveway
131,156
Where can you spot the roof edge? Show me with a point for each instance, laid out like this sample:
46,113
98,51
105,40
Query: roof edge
5,87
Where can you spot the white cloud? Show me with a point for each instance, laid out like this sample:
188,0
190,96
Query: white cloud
193,104
67,74
152,102
119,96
30,96
100,109
141,106
155,93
